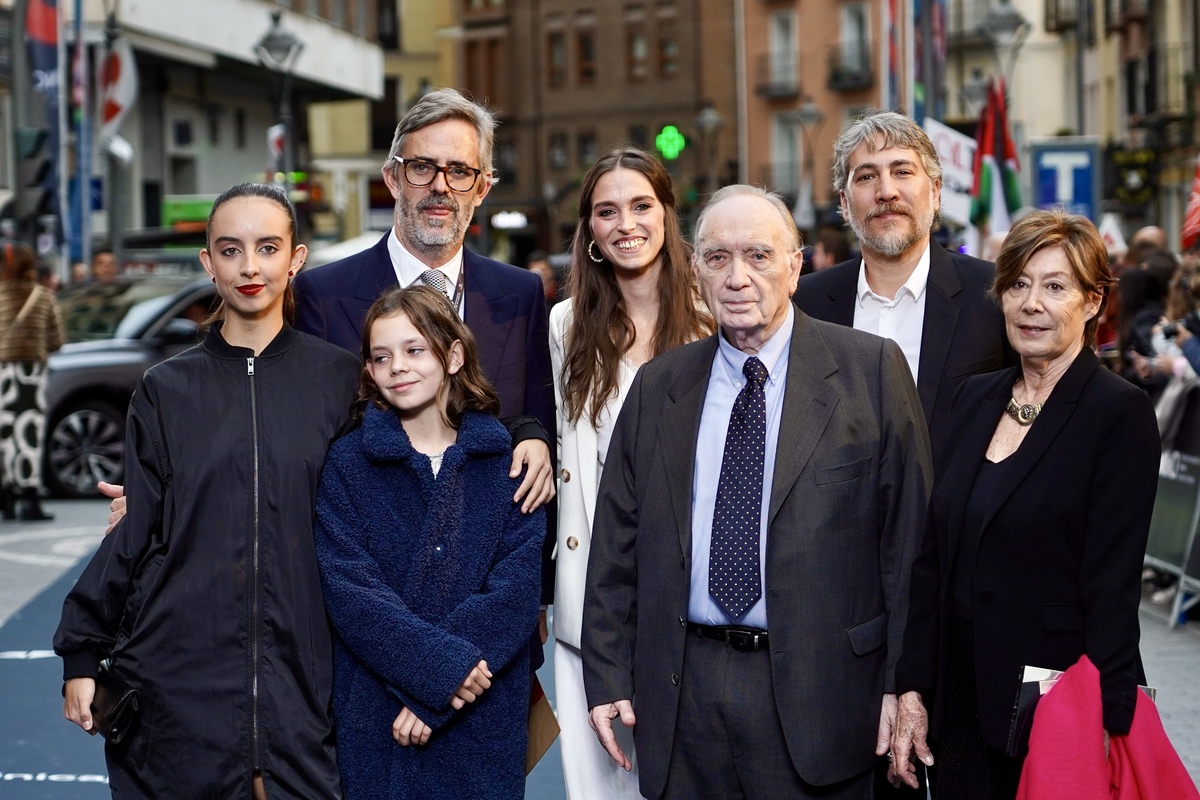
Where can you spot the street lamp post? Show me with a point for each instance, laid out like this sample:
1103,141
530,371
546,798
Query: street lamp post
278,51
1006,28
709,122
974,93
810,119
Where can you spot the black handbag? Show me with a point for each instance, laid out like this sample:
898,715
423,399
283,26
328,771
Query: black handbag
114,706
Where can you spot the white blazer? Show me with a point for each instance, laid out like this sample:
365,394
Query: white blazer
578,482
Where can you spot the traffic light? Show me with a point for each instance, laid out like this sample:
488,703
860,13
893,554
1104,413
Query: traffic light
670,142
34,167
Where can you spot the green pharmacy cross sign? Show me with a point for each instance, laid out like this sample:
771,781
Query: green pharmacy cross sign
670,142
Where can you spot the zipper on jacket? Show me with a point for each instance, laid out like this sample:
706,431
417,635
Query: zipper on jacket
254,570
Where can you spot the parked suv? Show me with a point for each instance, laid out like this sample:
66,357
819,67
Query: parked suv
115,332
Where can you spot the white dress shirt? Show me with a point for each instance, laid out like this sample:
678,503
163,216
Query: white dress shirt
901,318
409,268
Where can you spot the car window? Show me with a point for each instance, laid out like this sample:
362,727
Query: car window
95,310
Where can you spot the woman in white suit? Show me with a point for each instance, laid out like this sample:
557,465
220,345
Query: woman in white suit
631,297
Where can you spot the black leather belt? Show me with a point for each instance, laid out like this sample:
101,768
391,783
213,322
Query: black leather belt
744,640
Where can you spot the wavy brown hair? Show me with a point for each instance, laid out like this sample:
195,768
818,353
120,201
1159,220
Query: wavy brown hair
1081,244
601,332
430,313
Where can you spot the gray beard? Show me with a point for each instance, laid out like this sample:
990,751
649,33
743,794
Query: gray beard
892,244
430,238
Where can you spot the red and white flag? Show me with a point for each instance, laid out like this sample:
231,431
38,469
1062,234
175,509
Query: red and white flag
1191,217
118,88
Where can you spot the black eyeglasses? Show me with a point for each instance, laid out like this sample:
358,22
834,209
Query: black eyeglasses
420,172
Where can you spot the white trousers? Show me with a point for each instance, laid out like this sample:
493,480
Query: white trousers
588,770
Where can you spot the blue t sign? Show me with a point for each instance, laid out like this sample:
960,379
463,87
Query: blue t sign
1066,172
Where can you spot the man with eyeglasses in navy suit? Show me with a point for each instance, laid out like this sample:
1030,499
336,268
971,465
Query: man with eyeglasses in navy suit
439,170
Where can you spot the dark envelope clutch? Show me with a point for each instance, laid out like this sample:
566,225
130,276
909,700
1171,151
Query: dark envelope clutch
115,705
1035,682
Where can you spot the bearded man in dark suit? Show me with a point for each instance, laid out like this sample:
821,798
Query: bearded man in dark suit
907,287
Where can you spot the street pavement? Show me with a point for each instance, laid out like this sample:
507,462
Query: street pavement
42,756
45,757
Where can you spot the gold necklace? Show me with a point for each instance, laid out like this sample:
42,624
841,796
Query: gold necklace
1023,414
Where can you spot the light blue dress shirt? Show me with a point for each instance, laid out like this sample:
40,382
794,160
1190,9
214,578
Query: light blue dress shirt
725,382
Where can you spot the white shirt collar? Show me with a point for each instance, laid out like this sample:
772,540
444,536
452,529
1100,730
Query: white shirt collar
409,268
914,286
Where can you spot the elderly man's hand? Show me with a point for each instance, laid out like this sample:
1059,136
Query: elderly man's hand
908,740
601,722
537,488
116,509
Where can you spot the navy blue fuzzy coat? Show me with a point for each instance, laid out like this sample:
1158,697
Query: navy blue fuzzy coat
423,578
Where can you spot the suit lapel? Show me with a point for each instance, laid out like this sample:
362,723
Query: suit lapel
677,434
1045,429
586,446
937,333
808,404
490,310
376,276
841,292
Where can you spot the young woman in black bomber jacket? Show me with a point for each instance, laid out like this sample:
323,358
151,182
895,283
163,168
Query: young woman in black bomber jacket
206,597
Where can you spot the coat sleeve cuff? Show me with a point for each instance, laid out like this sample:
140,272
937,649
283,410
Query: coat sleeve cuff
524,428
80,665
1118,710
434,718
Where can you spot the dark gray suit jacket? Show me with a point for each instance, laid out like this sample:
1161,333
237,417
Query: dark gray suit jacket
852,478
963,333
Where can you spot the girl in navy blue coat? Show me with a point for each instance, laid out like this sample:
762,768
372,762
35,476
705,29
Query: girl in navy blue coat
430,571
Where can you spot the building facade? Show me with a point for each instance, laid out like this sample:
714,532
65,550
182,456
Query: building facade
573,80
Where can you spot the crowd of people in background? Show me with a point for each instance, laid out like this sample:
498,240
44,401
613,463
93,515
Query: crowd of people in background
801,515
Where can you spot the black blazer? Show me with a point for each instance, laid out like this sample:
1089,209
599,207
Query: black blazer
1059,565
505,310
963,334
847,504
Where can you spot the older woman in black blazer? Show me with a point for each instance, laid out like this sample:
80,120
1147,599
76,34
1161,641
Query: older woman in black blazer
1037,526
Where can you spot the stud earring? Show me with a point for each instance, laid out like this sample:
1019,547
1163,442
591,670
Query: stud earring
291,273
214,278
592,255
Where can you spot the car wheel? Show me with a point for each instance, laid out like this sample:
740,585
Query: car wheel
86,444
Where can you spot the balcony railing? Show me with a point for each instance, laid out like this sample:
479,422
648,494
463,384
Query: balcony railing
779,76
1061,15
850,66
966,22
1119,13
1156,86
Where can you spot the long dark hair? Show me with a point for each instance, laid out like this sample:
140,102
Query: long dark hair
276,195
601,332
430,313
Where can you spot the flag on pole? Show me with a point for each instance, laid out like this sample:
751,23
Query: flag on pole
1191,217
118,88
1010,166
996,192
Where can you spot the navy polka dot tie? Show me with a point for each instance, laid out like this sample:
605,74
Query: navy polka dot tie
734,580
435,279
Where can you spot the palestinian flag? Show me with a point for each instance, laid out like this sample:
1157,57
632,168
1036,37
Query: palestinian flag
996,192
